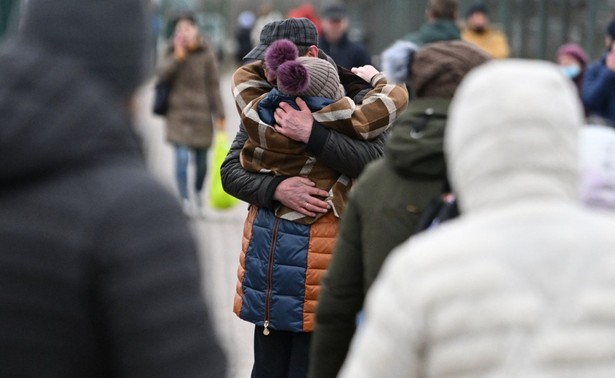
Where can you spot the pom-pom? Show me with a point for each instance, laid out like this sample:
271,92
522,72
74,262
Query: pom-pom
293,78
279,52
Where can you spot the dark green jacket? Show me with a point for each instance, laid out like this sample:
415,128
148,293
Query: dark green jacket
383,211
435,31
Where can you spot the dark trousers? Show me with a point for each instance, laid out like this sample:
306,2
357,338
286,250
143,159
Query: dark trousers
281,354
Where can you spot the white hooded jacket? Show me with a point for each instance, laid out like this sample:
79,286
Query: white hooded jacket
523,284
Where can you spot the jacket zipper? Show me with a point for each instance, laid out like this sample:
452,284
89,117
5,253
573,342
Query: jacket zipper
274,237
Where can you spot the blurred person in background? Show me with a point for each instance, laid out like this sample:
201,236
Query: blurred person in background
266,14
598,91
245,23
441,24
479,30
99,274
334,40
306,10
520,284
573,62
390,196
190,65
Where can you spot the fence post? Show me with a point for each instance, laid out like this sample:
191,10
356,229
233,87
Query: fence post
543,10
590,25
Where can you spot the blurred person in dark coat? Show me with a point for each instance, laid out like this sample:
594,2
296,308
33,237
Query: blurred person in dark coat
334,40
598,91
99,275
245,23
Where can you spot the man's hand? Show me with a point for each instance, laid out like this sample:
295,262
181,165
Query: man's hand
294,124
179,45
300,194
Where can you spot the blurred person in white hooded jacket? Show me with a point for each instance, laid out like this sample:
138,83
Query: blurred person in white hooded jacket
522,284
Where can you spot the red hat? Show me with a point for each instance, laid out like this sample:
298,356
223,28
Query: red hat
574,51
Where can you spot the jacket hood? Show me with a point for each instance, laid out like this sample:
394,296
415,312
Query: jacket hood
414,153
439,30
55,116
512,135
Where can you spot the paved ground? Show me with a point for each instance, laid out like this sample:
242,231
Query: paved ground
219,234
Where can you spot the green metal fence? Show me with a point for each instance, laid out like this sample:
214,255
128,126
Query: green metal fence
535,28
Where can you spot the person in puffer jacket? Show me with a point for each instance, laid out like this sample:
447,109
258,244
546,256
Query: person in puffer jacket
282,262
521,284
316,82
99,273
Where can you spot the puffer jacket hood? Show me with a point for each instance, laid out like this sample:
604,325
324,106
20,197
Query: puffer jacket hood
512,136
46,100
419,154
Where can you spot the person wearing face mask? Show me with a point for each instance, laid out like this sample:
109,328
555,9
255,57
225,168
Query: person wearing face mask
479,31
573,61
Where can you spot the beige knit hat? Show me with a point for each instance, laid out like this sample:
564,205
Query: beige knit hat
311,77
438,68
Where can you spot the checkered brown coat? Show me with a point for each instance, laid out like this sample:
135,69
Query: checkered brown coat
269,151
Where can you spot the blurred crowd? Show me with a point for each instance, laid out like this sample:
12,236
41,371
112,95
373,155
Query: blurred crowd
447,212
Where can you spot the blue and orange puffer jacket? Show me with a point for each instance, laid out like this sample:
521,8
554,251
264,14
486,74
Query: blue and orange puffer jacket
281,266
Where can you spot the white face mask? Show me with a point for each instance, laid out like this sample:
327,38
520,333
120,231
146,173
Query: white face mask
571,71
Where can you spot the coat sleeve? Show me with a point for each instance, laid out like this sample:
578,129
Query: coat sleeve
341,298
335,149
389,341
149,302
251,187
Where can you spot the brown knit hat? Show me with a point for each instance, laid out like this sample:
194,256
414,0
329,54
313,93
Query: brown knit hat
438,68
310,77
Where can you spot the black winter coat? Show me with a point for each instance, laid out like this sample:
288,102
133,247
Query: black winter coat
99,275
